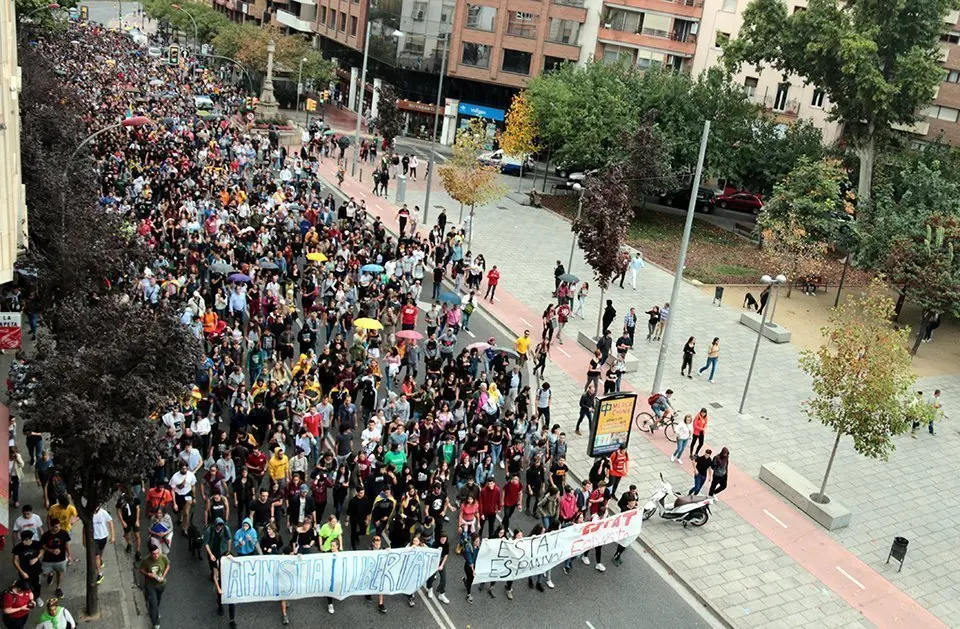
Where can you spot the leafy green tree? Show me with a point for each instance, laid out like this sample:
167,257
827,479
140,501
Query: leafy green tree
389,116
861,378
318,71
877,62
772,152
927,270
209,21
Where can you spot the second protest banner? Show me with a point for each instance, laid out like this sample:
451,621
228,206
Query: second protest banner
507,560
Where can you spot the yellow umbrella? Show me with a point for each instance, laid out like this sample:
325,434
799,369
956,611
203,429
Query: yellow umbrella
316,256
368,324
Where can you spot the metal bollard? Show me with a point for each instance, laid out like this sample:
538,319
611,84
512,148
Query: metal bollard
401,188
899,550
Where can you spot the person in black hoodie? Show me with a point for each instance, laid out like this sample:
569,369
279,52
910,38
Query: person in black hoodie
358,513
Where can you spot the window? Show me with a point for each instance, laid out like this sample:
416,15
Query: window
563,31
419,11
942,113
798,9
476,55
817,100
950,38
780,101
323,15
343,22
647,59
480,17
446,13
522,24
414,44
516,61
656,25
722,39
616,54
353,26
552,63
570,3
730,6
953,76
332,22
623,21
750,86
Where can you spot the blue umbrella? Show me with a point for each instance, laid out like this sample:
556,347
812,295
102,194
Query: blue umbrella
449,298
239,277
371,268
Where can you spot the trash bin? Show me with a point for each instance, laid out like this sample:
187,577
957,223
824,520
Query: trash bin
401,188
899,550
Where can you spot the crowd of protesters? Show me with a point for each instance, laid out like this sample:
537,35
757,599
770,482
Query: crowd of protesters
331,411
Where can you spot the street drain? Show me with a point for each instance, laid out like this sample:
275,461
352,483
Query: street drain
716,404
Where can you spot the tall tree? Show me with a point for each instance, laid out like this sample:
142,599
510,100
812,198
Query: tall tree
927,270
389,116
803,217
464,178
861,378
520,136
876,61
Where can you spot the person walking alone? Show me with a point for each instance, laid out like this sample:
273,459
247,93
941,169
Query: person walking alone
635,265
154,569
587,401
684,431
699,430
493,278
713,354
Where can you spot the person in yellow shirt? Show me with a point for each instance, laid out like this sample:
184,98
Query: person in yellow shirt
522,345
64,511
278,467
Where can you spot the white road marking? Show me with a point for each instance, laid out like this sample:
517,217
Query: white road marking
775,518
471,334
526,322
433,612
847,574
589,626
495,298
564,353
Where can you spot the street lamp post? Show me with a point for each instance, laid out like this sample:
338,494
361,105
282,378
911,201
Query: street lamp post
196,37
135,121
433,138
363,84
776,281
300,82
573,243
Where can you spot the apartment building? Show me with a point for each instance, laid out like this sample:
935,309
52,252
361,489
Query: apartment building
787,98
13,209
647,33
941,120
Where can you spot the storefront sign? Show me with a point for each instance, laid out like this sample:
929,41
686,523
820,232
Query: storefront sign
612,420
479,111
337,575
508,560
9,330
411,105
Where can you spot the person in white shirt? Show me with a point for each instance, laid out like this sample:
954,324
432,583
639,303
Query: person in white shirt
174,419
414,164
635,265
28,521
102,534
182,483
684,432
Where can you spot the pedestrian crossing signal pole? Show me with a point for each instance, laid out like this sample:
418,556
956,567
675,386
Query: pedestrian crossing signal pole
678,276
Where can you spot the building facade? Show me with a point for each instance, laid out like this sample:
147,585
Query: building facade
13,208
940,122
650,34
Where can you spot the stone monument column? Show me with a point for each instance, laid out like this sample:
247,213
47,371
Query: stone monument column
268,106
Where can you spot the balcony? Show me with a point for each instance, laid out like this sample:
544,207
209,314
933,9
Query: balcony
661,41
570,3
688,9
921,127
789,109
292,21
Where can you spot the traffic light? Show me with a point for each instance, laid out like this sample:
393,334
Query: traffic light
311,105
84,13
173,55
326,96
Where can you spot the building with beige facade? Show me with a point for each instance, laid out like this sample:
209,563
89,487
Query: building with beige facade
13,208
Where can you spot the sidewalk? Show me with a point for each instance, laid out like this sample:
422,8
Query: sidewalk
121,600
759,562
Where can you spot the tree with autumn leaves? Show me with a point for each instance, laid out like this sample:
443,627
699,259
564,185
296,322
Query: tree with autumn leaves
464,178
520,136
862,379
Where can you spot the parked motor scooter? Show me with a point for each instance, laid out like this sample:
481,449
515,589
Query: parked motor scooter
694,510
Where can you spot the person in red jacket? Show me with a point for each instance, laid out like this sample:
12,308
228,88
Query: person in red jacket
408,316
491,503
619,467
17,603
512,491
493,278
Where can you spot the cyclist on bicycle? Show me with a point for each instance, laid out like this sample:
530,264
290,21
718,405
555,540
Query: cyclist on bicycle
660,403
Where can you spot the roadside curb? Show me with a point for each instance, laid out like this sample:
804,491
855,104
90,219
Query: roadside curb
712,608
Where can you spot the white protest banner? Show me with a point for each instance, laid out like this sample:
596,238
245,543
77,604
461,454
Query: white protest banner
337,575
507,560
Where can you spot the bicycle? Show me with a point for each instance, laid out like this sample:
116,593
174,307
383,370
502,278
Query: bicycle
647,422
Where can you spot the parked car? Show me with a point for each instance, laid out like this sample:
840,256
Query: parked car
155,52
565,170
680,198
204,105
509,164
740,201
